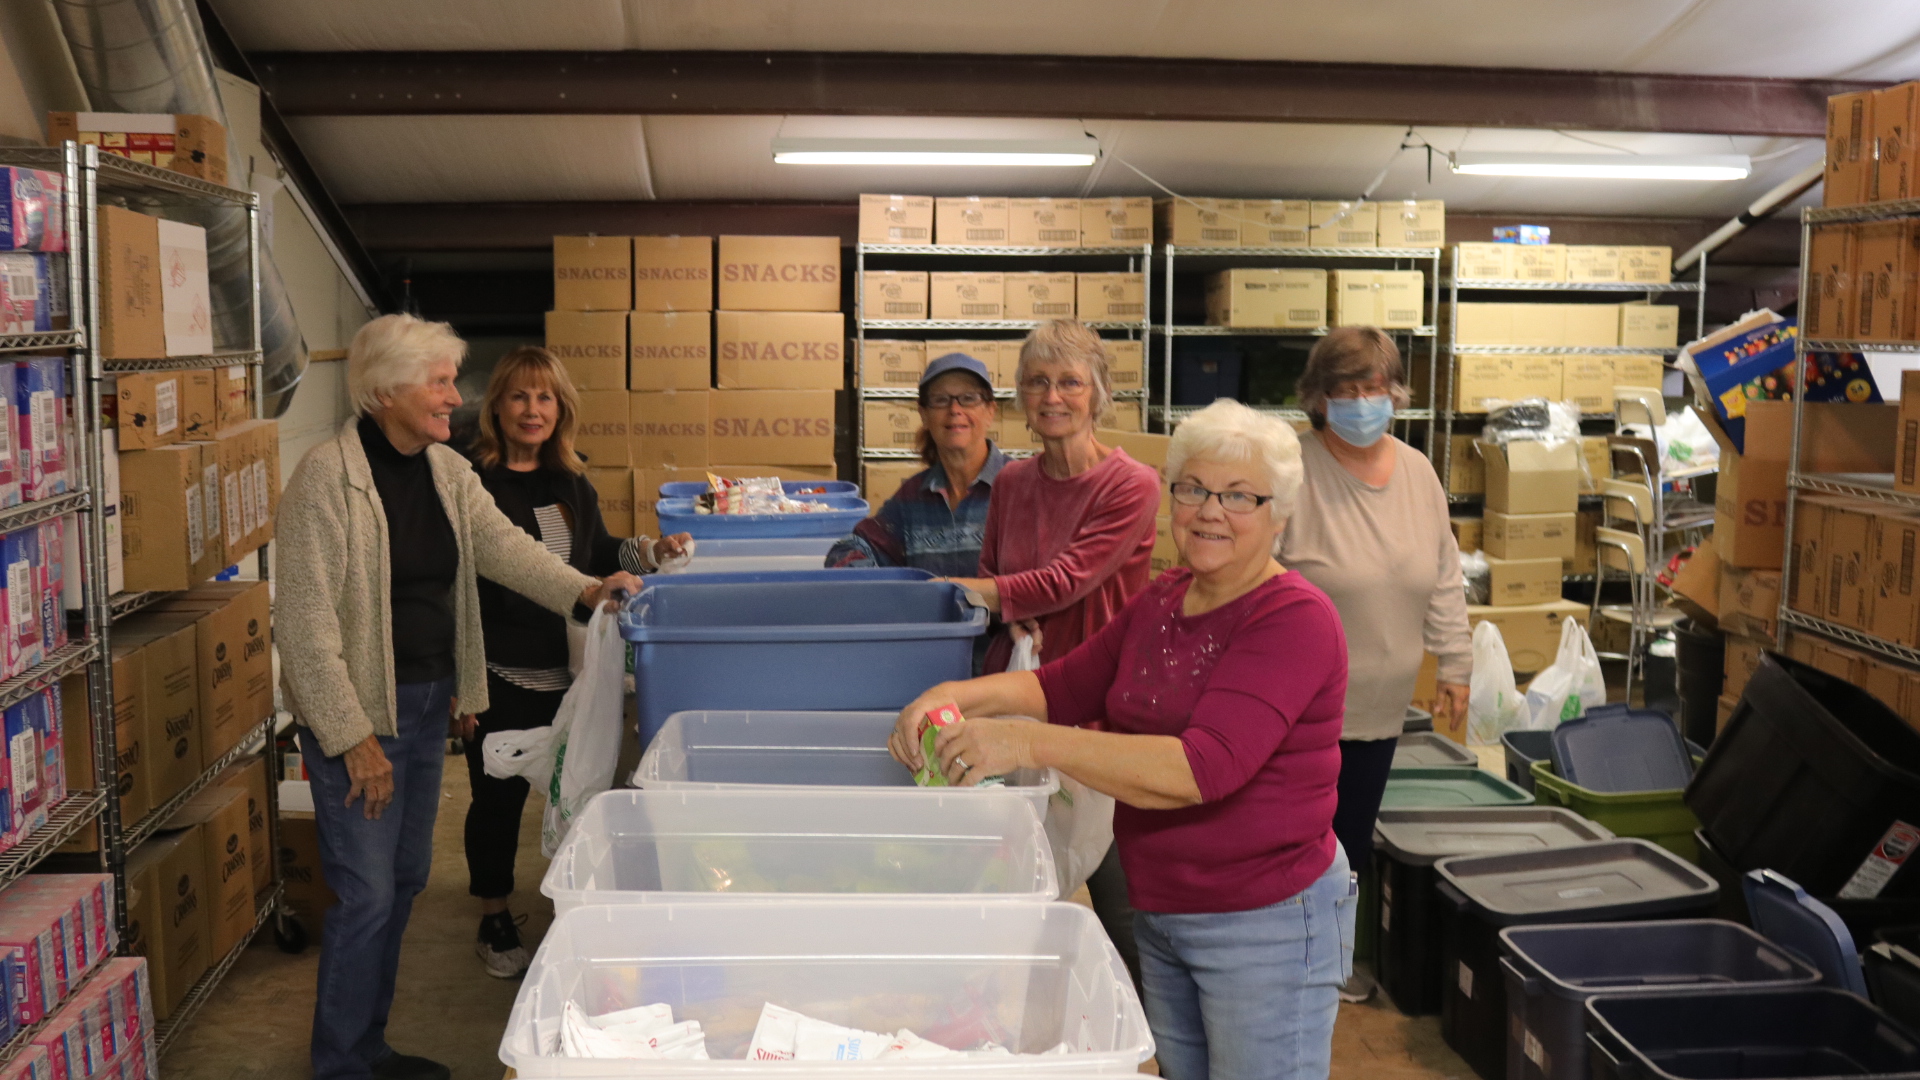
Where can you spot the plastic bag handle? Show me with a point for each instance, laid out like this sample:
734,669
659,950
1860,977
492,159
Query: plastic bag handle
1624,1070
1528,984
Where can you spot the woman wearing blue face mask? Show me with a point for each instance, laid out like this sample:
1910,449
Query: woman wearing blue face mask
1371,532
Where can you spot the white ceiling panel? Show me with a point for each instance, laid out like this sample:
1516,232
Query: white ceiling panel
1876,39
483,159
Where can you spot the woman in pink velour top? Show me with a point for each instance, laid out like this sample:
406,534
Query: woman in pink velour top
1218,692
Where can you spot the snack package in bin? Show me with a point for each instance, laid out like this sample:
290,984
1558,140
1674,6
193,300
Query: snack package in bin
929,774
753,495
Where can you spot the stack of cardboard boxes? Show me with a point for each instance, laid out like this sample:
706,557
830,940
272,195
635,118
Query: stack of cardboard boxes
991,221
1873,146
991,296
1862,281
1528,534
1309,300
670,387
1585,380
1571,263
1301,223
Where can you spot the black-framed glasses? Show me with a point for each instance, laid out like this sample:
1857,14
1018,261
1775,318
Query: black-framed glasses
1233,502
966,399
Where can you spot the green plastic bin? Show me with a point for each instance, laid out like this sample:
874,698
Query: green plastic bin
1446,787
1659,816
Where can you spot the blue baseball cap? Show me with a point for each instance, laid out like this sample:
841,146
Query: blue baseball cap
955,361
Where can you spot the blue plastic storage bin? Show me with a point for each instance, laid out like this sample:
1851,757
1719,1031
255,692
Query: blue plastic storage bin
677,516
688,489
821,640
1616,751
756,556
790,577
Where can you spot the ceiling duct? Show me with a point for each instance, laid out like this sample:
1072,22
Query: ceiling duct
151,56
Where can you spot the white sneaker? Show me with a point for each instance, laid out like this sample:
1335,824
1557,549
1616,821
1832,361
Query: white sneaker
1358,989
499,948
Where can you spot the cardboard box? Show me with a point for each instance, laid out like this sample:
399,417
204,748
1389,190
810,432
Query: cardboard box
771,350
1844,559
1125,416
1807,591
1724,712
1888,264
186,302
132,319
1531,631
171,701
1750,497
1749,601
880,479
167,914
967,294
601,433
162,516
1275,222
1466,533
1010,431
894,294
1282,299
1598,457
670,429
1532,477
248,776
1116,222
1827,310
896,219
1343,224
673,273
592,273
199,404
1588,382
1588,263
1906,450
971,221
307,892
890,425
1742,660
1649,326
1483,262
1540,262
1850,124
1389,299
1466,472
1896,119
1111,297
147,407
1141,447
779,427
1647,264
1039,295
779,273
184,142
1000,357
1527,536
1166,554
592,345
1531,375
1590,325
1480,380
1043,222
646,494
614,489
669,350
219,814
1894,603
242,465
232,635
1126,364
1198,222
1513,582
1642,370
235,389
1413,223
893,365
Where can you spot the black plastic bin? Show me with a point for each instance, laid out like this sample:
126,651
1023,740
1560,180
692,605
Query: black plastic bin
1552,971
1702,659
1811,773
1523,748
1607,881
1406,844
1864,918
1892,965
1751,1035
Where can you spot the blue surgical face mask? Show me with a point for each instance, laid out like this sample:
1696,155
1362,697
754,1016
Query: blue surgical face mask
1360,421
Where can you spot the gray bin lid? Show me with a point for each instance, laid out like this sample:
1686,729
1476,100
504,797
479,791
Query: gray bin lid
1423,837
1426,749
1611,879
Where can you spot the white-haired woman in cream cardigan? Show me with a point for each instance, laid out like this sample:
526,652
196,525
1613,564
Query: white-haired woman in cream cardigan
383,533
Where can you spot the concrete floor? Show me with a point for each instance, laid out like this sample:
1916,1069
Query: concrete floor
256,1024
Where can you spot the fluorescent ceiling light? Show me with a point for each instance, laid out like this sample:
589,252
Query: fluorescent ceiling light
997,152
1604,166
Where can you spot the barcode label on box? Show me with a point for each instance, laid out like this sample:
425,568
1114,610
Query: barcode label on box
20,605
166,406
246,501
1465,980
260,495
196,541
1884,861
233,509
25,756
1058,236
211,481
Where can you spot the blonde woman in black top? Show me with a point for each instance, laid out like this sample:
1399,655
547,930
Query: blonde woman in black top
525,456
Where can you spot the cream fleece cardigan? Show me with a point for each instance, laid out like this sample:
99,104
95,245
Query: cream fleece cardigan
333,604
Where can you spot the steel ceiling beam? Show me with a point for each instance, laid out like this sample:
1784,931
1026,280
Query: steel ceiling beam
1081,87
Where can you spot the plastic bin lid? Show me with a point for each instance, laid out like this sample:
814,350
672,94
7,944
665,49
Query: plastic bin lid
1809,929
1450,786
1529,746
1616,751
1609,879
779,577
1423,837
1420,749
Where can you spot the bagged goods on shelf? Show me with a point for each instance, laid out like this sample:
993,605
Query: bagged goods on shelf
1043,222
32,210
1849,148
967,295
184,142
779,350
894,294
1199,222
970,221
673,273
669,350
1039,295
1116,222
896,219
592,345
592,273
33,292
43,404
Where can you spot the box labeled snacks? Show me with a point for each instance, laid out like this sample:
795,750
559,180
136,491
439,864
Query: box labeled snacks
592,273
592,345
779,350
780,273
669,350
673,273
774,427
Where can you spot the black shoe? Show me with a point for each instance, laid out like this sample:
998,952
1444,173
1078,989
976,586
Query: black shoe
498,945
398,1066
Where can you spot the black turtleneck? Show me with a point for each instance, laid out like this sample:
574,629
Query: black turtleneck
422,555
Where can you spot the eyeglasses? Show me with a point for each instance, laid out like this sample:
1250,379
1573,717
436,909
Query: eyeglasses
1038,385
968,399
1233,502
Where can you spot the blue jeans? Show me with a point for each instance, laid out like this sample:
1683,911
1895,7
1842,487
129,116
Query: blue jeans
376,868
1250,995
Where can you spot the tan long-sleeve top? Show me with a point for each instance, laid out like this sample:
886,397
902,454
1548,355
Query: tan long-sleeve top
1387,558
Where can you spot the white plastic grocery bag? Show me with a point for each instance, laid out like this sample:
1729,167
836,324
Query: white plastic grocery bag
573,760
1079,819
1569,686
1494,706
